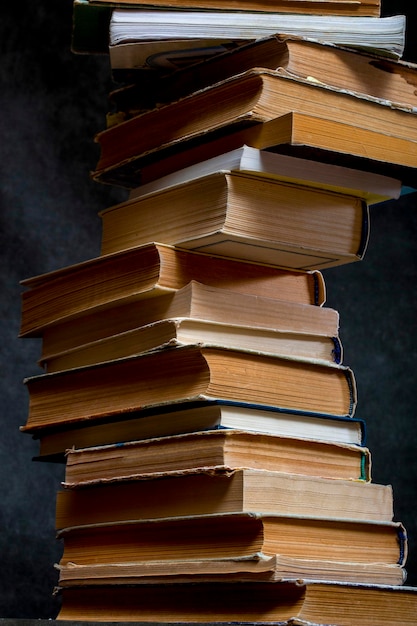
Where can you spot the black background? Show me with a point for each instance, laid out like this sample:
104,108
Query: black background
52,104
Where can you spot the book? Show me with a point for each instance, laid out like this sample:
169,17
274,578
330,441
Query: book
296,601
297,134
235,536
190,417
268,569
91,22
182,331
245,216
133,27
192,372
245,100
234,491
306,7
122,501
354,70
372,188
217,451
197,302
145,272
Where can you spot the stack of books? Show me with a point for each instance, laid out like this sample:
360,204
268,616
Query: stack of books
194,382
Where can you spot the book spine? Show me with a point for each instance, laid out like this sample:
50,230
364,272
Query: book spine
365,231
337,350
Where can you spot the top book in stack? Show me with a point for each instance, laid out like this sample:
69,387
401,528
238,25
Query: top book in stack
347,23
326,7
179,38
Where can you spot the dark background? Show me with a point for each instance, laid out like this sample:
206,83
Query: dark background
52,104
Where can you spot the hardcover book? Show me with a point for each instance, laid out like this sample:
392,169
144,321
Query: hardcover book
245,216
191,417
383,34
228,491
150,270
234,536
177,332
295,601
372,188
203,310
223,450
145,84
191,372
313,138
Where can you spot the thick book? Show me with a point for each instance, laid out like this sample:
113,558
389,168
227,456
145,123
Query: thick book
296,601
134,26
91,22
243,215
145,272
192,372
214,307
219,491
354,70
258,570
372,188
235,536
242,101
216,451
301,135
191,417
235,491
182,331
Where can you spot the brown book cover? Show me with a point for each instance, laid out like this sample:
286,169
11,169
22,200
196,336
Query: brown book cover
235,536
169,333
296,602
245,216
356,70
188,373
148,271
200,308
221,451
118,497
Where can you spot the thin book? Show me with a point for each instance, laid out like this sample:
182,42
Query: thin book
201,416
